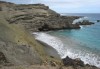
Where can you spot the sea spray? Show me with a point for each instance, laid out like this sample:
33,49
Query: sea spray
55,42
51,41
80,20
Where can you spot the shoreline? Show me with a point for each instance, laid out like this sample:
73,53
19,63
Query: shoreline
54,51
50,50
77,49
19,47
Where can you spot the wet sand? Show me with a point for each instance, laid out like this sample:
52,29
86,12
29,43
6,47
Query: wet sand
50,50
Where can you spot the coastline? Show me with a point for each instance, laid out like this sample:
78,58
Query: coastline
18,46
50,50
73,61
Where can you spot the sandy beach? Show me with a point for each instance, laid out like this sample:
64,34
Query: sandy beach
50,50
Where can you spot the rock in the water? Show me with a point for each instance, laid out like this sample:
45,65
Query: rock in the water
85,22
98,20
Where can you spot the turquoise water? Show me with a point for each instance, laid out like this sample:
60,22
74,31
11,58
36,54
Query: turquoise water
81,43
85,42
89,35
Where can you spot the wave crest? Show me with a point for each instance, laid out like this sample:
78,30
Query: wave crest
63,51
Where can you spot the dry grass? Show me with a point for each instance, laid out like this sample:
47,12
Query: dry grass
16,33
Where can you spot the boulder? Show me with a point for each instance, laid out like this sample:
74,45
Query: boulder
98,20
72,62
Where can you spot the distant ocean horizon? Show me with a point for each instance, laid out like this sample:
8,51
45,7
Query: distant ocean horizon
81,43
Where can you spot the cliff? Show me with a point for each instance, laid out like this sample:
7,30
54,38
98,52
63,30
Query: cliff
18,47
17,44
35,17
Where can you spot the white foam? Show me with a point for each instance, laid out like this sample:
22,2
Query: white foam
80,20
56,43
88,58
81,26
50,40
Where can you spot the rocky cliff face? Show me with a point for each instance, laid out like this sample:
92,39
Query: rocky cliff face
18,46
85,22
77,64
36,16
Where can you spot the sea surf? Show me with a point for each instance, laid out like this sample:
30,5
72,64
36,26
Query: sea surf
81,43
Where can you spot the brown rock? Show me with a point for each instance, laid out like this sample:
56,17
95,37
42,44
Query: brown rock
72,62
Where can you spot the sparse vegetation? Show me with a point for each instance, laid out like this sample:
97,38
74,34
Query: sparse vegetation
17,44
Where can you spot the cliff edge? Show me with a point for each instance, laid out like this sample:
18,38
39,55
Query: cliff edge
37,17
17,44
18,47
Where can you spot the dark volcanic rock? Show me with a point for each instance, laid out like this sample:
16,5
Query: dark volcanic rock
77,64
85,22
98,20
72,62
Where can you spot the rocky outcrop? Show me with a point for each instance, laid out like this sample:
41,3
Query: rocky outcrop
74,62
18,46
44,22
85,22
98,20
77,64
34,17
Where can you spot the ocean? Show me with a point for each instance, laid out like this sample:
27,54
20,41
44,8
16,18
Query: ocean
81,43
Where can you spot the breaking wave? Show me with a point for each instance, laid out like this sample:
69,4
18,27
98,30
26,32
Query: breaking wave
63,50
80,20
